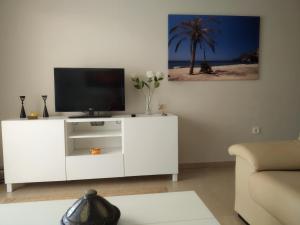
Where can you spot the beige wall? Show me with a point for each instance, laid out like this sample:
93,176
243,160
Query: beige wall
38,35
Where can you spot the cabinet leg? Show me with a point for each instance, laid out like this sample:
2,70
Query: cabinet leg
175,177
9,187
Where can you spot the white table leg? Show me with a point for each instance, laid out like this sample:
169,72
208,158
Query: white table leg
175,177
9,187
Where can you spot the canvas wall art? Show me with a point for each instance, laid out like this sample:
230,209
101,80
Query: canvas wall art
203,47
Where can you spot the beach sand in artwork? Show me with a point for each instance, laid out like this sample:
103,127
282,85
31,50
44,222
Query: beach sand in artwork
227,72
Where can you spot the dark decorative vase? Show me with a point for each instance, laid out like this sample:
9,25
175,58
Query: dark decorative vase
45,113
91,209
23,113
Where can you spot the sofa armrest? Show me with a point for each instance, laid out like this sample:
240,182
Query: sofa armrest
279,155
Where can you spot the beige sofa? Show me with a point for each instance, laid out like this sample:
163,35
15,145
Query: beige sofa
268,182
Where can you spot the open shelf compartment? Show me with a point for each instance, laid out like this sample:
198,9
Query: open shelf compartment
94,129
82,136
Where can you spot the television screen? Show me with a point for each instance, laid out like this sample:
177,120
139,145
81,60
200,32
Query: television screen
89,89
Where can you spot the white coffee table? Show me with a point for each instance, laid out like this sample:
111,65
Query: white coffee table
173,208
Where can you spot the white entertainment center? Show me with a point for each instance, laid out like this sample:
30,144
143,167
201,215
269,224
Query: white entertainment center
57,148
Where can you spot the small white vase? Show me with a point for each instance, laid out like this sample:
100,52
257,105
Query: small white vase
148,105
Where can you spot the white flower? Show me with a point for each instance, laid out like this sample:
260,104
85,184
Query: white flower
133,77
150,74
159,74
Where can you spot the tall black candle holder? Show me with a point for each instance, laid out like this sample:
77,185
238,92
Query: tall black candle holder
45,113
22,113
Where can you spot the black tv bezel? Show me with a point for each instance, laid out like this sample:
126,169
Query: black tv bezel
89,109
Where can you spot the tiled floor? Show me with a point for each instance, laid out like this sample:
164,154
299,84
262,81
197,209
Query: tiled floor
215,186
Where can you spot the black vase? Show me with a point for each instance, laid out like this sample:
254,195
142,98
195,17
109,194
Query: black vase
91,209
45,112
22,113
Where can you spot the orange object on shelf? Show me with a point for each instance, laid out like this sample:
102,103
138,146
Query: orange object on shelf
95,151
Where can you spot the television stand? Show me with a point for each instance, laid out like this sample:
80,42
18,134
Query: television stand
58,149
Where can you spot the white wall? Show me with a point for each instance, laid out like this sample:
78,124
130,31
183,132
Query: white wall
39,35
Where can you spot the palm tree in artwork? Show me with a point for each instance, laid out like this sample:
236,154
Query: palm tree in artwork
199,35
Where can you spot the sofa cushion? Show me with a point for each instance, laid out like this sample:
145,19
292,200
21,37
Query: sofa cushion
277,155
278,192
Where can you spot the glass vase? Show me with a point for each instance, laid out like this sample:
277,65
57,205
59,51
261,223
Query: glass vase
148,105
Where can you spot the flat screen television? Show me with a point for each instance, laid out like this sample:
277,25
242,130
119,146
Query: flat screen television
89,89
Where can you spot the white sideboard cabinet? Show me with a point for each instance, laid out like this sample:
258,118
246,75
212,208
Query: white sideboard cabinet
58,149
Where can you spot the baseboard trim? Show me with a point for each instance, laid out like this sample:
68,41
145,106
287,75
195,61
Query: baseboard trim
205,165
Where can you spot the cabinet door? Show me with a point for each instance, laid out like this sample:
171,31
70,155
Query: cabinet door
150,145
34,151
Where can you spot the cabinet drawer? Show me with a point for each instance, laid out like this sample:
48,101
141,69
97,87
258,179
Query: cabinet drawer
93,167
